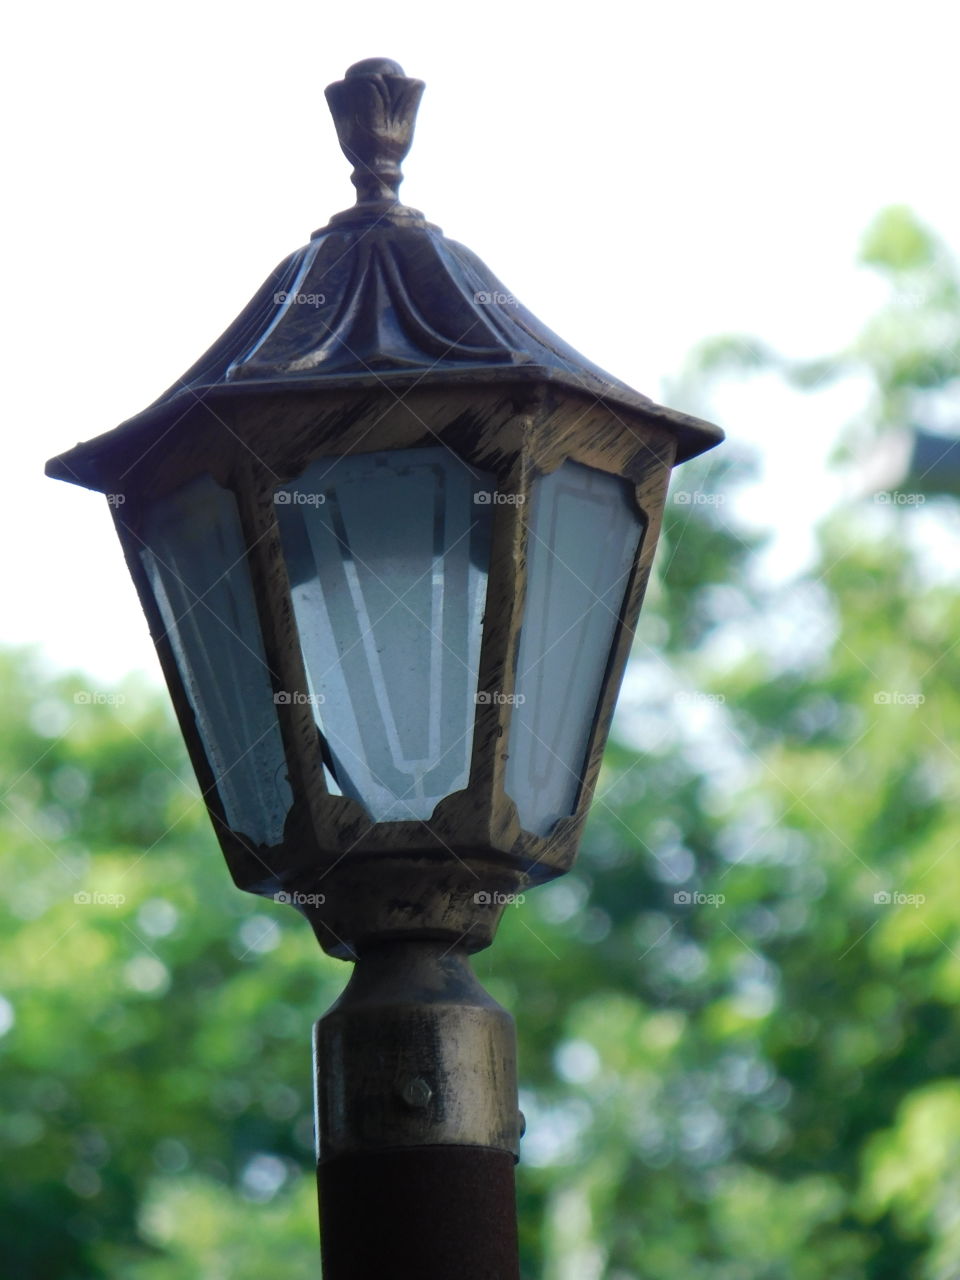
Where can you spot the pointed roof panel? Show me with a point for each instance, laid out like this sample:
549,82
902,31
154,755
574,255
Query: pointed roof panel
379,295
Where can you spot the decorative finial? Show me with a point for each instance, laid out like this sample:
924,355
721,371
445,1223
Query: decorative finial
375,108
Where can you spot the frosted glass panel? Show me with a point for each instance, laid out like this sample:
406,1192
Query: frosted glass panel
583,535
388,555
197,567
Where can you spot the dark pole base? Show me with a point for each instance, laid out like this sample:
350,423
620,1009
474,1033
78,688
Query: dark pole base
430,1213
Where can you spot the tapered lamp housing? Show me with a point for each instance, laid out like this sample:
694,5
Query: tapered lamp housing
391,535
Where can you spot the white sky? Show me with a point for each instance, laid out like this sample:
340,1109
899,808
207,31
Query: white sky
639,176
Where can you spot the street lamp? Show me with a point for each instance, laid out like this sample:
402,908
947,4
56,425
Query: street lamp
392,535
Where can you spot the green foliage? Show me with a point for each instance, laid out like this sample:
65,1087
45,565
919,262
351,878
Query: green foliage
738,1062
896,242
160,1017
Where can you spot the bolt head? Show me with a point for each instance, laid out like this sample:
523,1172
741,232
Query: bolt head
415,1092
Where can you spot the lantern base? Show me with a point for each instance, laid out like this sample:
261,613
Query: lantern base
366,900
415,1053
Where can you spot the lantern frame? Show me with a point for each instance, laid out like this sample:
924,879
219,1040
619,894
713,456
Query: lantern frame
393,369
516,432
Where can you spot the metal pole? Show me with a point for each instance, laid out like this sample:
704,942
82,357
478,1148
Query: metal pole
417,1121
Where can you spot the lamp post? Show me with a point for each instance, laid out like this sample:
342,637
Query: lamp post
392,536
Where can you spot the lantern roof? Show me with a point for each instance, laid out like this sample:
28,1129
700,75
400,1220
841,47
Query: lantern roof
379,296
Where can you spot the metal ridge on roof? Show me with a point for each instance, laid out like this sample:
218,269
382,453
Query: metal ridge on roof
379,295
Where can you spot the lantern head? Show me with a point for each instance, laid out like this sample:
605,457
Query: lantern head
391,535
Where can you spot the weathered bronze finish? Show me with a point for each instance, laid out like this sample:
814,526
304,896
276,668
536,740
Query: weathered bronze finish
416,1053
382,334
374,109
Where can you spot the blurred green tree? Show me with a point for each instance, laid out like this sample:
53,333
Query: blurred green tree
737,1015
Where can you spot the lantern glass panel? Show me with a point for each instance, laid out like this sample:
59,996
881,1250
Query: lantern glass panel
387,555
583,535
195,560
